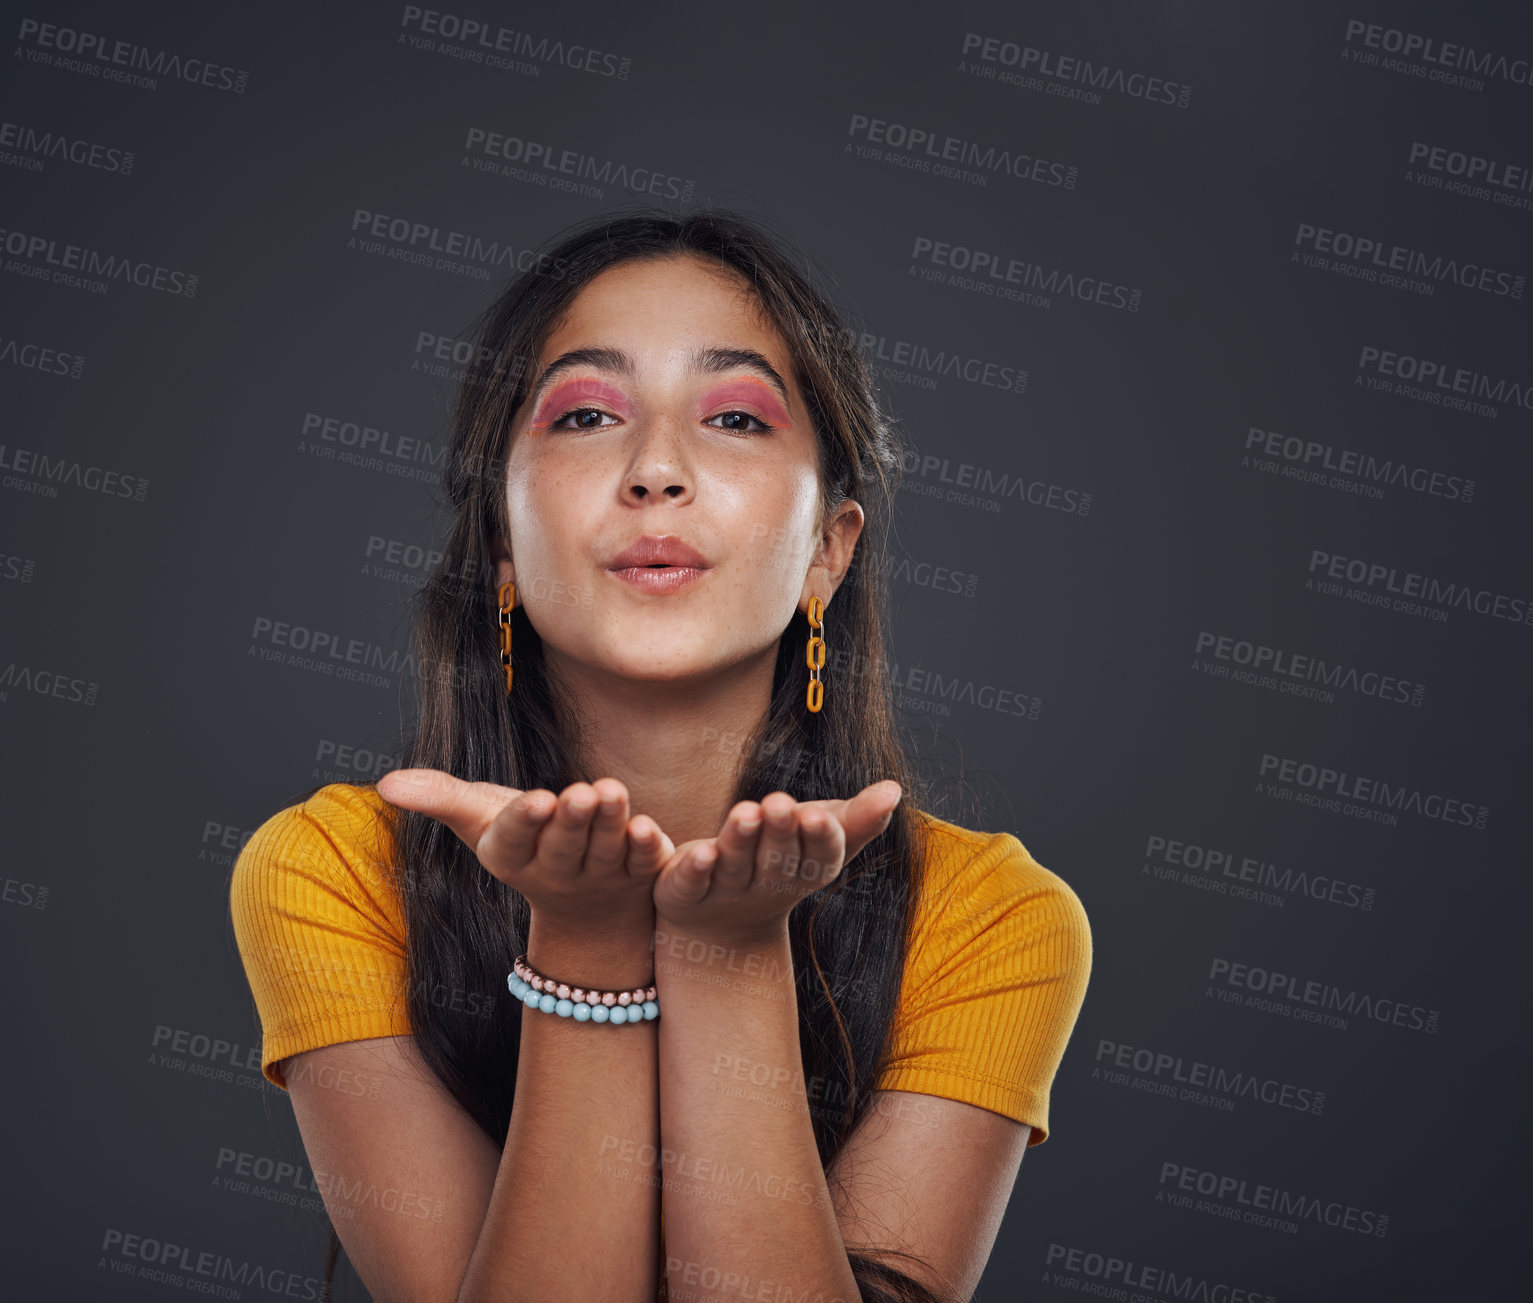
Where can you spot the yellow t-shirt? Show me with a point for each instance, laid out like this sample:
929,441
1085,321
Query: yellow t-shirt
997,969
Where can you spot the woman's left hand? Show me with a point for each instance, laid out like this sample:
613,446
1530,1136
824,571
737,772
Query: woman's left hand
738,888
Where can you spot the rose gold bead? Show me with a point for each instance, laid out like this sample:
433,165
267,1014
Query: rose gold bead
625,997
577,994
608,998
563,991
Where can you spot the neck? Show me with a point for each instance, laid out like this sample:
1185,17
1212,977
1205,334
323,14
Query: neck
675,744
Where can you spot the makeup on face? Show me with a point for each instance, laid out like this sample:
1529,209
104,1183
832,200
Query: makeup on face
572,393
748,391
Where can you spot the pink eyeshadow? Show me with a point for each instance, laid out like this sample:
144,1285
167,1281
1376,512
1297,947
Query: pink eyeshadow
756,393
574,392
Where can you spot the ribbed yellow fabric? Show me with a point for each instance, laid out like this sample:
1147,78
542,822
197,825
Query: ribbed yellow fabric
999,959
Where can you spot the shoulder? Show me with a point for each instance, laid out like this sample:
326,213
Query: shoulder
996,973
986,890
329,852
965,871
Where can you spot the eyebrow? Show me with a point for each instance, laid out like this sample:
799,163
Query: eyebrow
707,361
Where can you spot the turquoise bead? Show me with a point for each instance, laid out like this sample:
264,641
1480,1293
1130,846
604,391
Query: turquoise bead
547,1002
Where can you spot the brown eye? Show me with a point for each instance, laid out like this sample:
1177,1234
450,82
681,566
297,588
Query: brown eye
579,412
761,426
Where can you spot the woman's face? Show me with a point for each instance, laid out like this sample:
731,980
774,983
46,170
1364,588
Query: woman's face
663,408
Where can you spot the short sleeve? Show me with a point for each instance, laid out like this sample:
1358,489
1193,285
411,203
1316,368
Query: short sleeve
999,962
318,926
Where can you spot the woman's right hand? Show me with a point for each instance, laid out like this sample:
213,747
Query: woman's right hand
585,866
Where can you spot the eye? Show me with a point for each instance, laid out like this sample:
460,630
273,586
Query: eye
559,423
762,426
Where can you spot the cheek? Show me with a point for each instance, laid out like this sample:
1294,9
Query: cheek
543,497
769,511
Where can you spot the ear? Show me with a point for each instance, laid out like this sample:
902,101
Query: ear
505,568
833,558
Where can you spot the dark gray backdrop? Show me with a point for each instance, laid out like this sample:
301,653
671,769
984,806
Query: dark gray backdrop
1250,530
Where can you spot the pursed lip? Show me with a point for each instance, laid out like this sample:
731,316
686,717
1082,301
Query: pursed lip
658,550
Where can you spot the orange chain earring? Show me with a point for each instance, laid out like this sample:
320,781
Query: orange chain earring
814,655
507,602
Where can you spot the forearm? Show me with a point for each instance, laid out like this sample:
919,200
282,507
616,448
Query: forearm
748,1211
574,1214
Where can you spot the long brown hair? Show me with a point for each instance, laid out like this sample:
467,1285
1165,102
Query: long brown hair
464,927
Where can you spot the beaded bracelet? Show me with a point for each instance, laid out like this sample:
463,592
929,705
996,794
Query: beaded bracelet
583,1005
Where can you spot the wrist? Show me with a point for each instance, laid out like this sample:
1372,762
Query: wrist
692,947
615,959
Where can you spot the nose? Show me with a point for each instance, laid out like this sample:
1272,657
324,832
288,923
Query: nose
659,469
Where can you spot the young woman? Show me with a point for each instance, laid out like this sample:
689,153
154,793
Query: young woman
656,758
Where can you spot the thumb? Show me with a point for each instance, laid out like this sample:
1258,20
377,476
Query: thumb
868,813
467,808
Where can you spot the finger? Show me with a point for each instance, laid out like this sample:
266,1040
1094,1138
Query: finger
467,808
777,853
737,846
648,847
562,845
868,813
822,843
511,841
694,873
607,851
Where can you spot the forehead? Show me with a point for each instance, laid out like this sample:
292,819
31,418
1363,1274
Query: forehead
659,308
